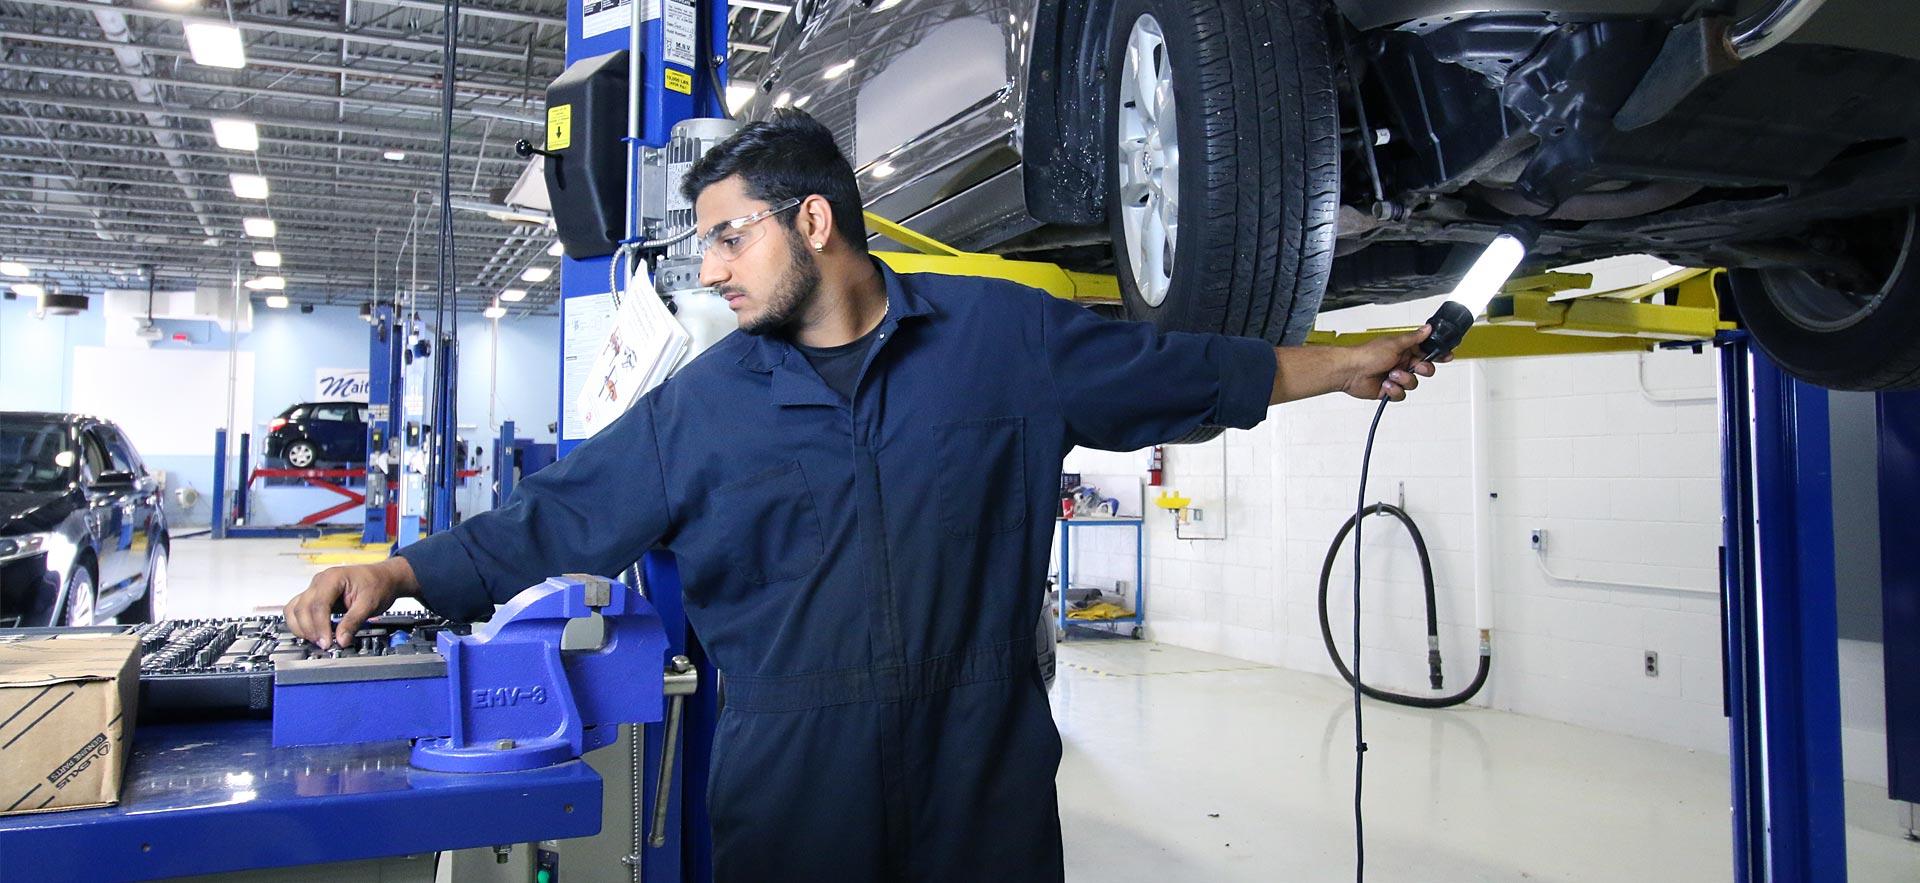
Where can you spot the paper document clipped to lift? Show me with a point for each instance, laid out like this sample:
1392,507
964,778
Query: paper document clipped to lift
642,349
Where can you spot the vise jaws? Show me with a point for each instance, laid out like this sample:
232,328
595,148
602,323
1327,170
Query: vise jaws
508,696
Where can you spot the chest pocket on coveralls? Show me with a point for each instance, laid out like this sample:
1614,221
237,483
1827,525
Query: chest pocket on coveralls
779,536
983,471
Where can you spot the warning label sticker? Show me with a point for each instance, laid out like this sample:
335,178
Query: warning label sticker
680,26
559,126
601,16
679,81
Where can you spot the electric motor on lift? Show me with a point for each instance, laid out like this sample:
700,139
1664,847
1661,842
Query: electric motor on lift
677,275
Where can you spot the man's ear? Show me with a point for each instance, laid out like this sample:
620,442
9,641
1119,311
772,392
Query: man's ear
814,221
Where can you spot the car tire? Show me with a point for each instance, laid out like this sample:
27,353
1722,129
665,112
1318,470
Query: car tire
1249,85
302,454
152,603
1832,334
80,597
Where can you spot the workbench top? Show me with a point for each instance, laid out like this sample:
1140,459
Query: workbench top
210,797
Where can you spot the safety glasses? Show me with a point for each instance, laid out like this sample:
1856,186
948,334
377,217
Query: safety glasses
730,239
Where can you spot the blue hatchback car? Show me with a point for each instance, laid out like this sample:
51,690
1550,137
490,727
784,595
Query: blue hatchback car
311,433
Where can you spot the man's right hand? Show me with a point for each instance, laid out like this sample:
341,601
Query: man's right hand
364,590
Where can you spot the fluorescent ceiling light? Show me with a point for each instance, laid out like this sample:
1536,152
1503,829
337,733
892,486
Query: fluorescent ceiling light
556,249
783,99
738,94
513,295
277,301
248,186
395,155
884,169
29,289
802,101
266,258
260,228
216,45
837,71
494,312
14,268
537,274
236,134
268,283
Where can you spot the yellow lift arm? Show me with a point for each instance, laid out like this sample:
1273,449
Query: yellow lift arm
1528,318
930,255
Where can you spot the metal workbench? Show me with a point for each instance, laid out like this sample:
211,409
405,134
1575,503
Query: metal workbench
214,797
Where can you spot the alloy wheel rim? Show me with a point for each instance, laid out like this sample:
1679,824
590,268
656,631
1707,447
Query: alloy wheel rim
80,601
1149,160
157,586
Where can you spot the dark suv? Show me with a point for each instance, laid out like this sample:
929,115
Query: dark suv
83,537
1242,164
312,433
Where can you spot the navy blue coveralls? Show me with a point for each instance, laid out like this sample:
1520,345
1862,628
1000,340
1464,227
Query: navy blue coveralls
867,575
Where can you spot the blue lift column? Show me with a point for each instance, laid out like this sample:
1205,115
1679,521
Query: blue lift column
1782,633
386,339
1899,420
668,54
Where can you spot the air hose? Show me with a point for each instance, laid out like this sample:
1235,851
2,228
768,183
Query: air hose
1433,624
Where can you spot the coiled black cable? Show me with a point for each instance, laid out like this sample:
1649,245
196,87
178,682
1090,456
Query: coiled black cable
1433,624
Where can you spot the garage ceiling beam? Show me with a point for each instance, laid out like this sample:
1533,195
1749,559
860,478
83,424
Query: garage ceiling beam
282,27
415,135
278,178
409,108
361,71
478,242
391,168
462,158
533,18
313,211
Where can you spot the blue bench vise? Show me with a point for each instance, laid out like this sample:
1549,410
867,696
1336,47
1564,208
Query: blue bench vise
506,697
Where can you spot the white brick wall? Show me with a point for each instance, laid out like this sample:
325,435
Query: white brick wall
1625,483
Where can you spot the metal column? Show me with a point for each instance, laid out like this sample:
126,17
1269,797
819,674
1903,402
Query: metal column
386,339
1781,663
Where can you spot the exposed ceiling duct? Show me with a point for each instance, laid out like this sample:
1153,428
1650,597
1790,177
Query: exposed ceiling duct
114,26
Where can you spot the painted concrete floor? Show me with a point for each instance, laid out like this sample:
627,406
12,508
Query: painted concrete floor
1185,766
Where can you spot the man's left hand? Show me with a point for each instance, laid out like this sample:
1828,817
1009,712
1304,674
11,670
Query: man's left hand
1389,366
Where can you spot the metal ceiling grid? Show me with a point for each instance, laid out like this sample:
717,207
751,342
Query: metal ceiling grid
110,165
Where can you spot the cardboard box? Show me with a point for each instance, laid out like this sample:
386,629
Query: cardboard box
67,707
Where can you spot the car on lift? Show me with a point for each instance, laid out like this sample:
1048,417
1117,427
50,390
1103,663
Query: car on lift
1242,165
83,535
312,433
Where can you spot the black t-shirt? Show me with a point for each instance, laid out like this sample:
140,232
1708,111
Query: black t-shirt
840,365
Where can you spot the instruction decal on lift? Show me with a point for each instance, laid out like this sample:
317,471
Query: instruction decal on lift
601,16
679,81
559,126
584,324
681,23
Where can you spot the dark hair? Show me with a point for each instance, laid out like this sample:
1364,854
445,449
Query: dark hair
789,156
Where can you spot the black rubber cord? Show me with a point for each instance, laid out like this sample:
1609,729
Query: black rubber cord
1359,740
1360,512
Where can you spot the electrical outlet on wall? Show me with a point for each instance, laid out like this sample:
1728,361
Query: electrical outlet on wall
1653,664
1537,538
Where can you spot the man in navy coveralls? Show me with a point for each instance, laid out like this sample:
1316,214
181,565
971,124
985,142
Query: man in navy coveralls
860,488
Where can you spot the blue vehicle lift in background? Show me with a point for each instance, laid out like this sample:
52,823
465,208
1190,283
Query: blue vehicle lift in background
1780,600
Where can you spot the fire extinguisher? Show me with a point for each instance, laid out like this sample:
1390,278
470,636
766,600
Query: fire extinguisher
1156,464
